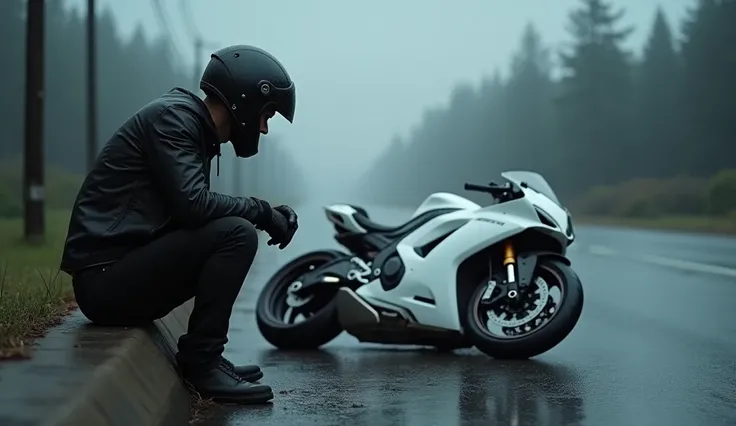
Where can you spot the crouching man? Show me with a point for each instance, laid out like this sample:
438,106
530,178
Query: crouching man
146,233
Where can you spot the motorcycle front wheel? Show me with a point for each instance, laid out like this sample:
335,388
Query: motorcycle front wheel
297,323
538,319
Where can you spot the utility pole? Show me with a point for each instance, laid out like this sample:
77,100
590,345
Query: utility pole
33,179
198,52
91,86
199,46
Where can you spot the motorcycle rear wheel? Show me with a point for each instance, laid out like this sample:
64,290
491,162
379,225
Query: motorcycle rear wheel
320,325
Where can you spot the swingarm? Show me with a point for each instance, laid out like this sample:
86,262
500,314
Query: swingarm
351,272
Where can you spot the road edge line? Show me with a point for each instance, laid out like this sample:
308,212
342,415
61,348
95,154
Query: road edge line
664,261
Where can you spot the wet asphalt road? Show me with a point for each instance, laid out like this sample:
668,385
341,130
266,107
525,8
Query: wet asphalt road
655,346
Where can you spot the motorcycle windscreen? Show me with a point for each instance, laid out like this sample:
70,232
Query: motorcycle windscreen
535,181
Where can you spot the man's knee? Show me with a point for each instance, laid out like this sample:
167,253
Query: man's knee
238,231
235,247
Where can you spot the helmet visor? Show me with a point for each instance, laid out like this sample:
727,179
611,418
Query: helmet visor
283,101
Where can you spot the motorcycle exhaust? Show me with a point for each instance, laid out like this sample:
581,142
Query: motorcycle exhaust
353,311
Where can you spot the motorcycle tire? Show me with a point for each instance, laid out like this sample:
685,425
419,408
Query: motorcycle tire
548,335
316,330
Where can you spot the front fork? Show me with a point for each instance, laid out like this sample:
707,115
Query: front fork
509,262
511,284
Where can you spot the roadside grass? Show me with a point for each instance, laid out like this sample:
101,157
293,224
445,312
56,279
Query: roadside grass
200,408
34,294
700,224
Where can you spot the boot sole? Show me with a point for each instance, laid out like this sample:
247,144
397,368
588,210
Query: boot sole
261,398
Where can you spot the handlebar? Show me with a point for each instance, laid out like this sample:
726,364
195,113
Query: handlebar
492,188
500,192
477,188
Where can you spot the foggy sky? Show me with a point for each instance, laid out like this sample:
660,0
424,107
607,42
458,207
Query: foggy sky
365,71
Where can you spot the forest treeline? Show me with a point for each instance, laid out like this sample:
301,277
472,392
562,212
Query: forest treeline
615,134
130,74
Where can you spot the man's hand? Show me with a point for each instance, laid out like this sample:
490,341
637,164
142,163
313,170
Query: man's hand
279,226
290,216
292,224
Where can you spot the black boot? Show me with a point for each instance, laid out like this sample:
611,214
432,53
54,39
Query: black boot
222,385
249,373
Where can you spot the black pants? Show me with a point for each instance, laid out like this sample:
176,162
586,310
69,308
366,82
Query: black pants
209,264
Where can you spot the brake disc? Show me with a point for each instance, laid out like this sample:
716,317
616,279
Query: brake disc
542,290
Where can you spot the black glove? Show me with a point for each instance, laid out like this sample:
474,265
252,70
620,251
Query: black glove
292,224
290,216
277,227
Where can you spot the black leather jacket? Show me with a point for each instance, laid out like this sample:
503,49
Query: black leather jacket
153,176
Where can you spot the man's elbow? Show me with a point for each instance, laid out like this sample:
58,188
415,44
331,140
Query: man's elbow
191,213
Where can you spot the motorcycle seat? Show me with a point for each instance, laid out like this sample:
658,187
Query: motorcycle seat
361,217
363,220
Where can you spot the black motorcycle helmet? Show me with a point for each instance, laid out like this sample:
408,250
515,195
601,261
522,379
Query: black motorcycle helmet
248,80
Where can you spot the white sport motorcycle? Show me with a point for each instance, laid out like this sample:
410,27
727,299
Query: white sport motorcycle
456,275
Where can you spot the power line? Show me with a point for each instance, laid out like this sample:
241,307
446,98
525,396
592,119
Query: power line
163,20
188,16
198,42
165,24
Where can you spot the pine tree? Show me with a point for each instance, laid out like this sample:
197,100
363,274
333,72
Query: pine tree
709,61
658,107
594,108
528,95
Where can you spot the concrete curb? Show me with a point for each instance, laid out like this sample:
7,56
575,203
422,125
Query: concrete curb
137,384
